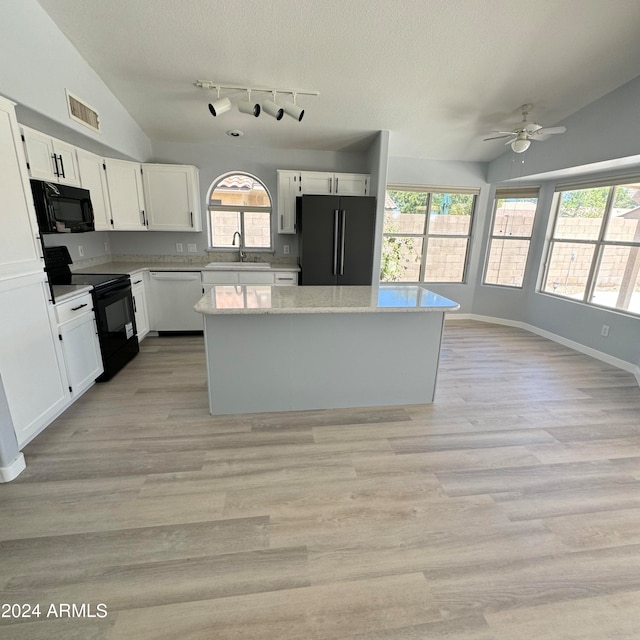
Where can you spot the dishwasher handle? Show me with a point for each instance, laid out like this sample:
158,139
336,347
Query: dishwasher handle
176,275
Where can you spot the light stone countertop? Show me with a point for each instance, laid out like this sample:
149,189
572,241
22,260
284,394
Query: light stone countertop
62,292
254,299
136,267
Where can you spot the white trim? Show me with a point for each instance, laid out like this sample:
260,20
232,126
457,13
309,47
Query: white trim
576,346
11,472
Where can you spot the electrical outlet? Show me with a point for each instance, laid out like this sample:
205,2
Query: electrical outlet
179,247
81,251
192,248
285,248
605,330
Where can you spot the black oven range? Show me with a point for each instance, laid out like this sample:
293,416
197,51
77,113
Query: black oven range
113,307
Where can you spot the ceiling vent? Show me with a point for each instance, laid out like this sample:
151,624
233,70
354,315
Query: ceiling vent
81,112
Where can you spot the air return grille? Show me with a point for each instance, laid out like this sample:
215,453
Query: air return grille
81,112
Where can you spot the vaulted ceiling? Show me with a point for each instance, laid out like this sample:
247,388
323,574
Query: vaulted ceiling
439,74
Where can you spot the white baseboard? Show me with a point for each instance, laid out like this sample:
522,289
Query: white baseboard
7,474
576,346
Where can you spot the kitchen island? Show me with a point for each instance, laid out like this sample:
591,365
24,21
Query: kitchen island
296,348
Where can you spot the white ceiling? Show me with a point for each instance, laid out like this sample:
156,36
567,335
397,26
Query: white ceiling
439,74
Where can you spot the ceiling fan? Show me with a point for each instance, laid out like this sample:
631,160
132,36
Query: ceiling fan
525,131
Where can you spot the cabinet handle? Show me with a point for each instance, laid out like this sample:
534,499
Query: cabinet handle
135,309
61,166
330,185
56,171
78,307
144,219
191,217
137,282
337,188
281,222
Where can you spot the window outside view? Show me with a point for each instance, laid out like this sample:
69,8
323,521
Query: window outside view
511,231
240,204
594,252
426,235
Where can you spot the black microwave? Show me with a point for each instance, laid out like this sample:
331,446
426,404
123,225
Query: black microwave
61,208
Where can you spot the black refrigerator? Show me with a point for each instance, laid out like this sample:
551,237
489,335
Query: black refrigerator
336,239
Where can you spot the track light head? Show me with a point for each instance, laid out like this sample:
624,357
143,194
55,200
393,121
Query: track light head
293,110
273,109
252,108
220,106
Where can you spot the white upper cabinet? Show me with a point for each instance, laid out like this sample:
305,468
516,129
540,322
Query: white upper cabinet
50,159
124,182
342,184
172,197
288,190
20,252
93,177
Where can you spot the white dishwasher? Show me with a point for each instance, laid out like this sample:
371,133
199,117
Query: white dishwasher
173,295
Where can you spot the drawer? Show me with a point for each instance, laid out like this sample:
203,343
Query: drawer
74,308
255,277
286,278
219,277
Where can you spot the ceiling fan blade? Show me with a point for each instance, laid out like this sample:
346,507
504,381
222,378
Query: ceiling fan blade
532,127
510,141
497,137
547,131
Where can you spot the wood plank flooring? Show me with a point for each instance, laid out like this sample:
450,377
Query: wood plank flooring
509,509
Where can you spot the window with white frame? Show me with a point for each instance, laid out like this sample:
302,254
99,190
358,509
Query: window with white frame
426,234
594,249
514,213
239,204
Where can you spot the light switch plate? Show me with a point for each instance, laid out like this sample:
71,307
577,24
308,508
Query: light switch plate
179,247
192,248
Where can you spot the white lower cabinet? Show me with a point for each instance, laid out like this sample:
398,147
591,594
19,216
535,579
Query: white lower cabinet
214,277
78,336
31,361
174,294
140,308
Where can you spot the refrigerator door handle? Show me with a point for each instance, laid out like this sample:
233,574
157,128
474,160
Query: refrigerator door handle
343,213
335,241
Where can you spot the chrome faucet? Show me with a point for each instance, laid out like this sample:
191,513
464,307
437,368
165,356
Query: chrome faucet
241,253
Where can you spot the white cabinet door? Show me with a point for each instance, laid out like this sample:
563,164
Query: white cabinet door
316,183
140,305
173,296
49,158
124,183
19,246
36,393
288,190
81,351
172,197
93,177
351,184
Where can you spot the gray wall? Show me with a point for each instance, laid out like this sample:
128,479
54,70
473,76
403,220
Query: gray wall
39,63
213,161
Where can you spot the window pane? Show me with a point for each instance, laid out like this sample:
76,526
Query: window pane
580,213
514,217
450,214
624,223
240,190
257,229
445,259
405,212
401,258
569,266
618,280
507,262
223,225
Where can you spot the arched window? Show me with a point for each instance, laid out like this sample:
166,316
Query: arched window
239,203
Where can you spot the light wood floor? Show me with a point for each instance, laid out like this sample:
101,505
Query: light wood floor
507,510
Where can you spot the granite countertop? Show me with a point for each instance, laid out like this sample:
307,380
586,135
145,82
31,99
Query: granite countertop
137,267
254,299
62,292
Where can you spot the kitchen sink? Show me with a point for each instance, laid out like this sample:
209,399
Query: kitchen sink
244,266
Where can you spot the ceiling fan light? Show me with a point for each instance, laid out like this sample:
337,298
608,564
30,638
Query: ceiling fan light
252,108
273,109
293,110
520,145
220,106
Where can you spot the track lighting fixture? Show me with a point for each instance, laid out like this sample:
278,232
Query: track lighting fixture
221,105
272,108
246,106
293,110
